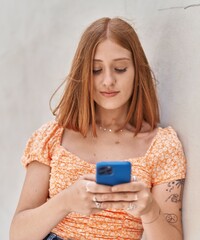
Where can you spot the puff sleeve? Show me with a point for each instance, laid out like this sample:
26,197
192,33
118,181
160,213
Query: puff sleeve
39,144
169,162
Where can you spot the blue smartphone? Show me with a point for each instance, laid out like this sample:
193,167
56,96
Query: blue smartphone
113,172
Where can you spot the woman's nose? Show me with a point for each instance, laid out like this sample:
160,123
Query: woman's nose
108,79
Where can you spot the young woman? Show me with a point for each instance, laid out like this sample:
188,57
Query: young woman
109,111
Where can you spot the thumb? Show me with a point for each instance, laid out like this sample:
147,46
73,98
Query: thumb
89,177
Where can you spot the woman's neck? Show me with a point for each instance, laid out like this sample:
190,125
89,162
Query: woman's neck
110,119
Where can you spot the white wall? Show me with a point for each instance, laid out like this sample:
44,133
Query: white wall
37,42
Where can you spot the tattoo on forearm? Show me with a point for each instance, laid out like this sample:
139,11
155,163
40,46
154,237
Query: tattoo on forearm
174,198
171,218
173,185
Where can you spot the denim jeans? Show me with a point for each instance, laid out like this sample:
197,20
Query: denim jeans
52,236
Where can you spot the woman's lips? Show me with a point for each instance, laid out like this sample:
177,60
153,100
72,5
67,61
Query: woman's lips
109,94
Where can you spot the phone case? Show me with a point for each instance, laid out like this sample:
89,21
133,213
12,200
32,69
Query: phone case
113,173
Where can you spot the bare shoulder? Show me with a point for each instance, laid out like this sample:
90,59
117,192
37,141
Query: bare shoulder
35,188
147,133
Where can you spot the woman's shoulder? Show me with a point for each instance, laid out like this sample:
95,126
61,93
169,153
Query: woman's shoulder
167,132
41,142
48,132
159,132
167,139
167,157
48,128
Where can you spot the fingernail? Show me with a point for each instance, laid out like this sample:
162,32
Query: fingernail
94,199
114,189
134,178
87,187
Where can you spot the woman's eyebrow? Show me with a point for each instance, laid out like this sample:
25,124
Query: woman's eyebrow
116,59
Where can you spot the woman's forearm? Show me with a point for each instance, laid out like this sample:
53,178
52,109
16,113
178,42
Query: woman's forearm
35,224
157,228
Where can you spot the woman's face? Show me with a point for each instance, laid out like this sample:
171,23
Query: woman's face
113,75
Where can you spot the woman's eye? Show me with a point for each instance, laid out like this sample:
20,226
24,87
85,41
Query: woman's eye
120,70
97,71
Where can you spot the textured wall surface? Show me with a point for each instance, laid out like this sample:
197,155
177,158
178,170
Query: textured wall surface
37,42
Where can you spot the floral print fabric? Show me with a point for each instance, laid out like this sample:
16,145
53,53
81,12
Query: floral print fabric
163,162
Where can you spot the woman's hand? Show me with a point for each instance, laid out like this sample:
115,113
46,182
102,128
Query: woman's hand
88,197
82,195
134,197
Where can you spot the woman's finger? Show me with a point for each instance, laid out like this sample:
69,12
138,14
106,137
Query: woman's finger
90,177
122,196
93,187
127,206
129,187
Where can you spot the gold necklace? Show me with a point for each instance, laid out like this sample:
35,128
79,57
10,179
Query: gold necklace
104,129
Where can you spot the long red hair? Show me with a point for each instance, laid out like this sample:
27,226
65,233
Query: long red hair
76,109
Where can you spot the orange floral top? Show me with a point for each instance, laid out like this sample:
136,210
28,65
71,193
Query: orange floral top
163,162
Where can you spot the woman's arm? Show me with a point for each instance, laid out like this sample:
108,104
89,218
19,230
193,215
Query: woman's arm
160,210
34,217
164,219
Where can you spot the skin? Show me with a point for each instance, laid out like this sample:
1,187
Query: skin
113,73
159,208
